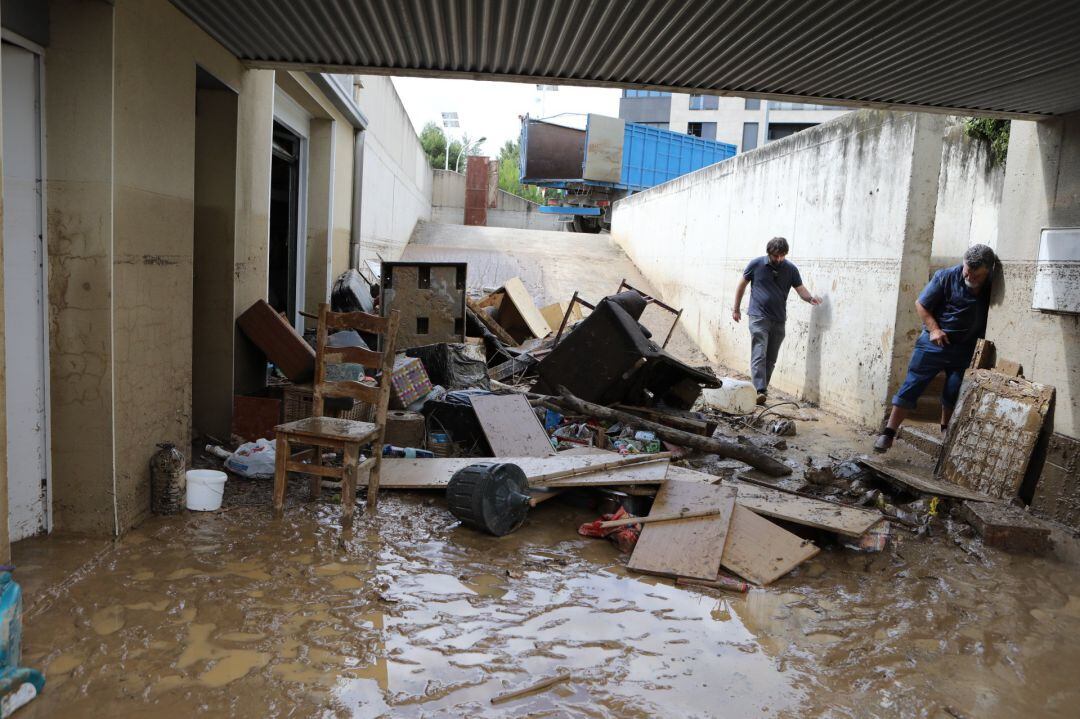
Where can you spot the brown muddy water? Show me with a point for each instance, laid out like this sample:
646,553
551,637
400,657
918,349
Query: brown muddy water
410,615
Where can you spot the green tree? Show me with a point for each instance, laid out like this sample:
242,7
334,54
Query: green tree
433,140
509,174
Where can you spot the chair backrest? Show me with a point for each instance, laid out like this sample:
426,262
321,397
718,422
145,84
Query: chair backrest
378,396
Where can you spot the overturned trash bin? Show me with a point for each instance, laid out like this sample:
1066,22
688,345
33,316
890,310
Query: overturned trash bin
491,497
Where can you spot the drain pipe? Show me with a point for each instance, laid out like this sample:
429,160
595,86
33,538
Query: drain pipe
357,198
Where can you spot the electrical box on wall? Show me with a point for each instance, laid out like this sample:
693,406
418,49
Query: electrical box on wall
1057,271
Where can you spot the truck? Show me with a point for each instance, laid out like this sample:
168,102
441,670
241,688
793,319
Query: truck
609,160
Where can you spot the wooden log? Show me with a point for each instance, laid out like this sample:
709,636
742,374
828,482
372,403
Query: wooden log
542,684
658,518
751,455
721,582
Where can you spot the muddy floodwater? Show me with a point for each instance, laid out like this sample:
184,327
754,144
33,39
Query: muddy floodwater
234,614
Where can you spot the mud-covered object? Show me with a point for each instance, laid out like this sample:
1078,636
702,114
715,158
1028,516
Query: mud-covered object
454,415
454,366
608,359
488,496
351,294
168,485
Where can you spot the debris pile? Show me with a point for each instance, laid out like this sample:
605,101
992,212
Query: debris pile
505,405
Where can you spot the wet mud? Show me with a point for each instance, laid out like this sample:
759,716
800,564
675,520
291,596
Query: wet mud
236,614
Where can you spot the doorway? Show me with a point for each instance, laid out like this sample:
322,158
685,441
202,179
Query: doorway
213,256
25,335
284,283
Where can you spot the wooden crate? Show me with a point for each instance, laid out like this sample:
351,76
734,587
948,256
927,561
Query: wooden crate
298,400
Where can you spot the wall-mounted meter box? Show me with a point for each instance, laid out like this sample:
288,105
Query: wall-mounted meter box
1057,271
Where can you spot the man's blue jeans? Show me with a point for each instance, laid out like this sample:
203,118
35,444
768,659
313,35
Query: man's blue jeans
766,336
926,361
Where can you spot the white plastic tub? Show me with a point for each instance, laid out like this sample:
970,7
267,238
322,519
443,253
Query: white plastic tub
733,396
205,488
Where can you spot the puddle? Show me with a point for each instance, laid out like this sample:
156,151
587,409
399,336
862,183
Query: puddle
411,616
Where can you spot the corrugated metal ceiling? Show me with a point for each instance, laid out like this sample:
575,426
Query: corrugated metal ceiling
993,56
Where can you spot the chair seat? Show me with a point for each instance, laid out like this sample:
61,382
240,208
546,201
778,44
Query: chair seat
343,430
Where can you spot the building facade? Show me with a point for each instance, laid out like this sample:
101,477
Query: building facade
154,187
744,122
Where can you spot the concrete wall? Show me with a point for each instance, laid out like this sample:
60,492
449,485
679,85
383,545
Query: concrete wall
855,198
448,206
1042,189
969,197
396,176
5,543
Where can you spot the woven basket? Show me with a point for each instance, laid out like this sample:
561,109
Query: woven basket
299,398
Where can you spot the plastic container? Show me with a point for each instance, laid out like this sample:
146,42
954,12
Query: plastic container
18,684
205,489
734,396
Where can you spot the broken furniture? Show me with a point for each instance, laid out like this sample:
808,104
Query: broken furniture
650,300
298,402
345,435
511,426
516,312
609,359
997,423
453,365
278,340
430,297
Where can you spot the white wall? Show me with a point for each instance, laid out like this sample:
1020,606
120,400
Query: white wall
448,206
397,179
855,198
969,197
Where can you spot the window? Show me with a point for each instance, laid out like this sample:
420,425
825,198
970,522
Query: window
753,104
693,128
704,102
645,93
749,136
708,131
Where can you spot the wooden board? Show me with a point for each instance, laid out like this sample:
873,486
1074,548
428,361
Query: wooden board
685,547
761,552
849,521
511,426
278,340
400,473
921,480
519,297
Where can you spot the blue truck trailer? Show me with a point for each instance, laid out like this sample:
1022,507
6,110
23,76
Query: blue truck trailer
608,160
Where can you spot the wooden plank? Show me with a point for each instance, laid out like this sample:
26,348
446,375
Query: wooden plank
511,426
849,521
278,340
548,472
761,552
523,303
920,480
685,547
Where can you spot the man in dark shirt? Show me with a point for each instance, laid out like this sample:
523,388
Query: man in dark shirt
771,278
953,308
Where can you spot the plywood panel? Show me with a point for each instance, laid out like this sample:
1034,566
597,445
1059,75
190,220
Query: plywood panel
541,471
761,552
685,547
921,480
511,426
517,295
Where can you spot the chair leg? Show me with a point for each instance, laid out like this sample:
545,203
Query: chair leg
281,458
315,480
348,483
373,479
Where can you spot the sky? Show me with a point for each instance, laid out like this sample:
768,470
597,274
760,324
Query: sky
493,109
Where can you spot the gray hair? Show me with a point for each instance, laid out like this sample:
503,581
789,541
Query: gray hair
776,246
979,256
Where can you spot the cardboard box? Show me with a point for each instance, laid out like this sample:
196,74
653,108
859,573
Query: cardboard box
408,382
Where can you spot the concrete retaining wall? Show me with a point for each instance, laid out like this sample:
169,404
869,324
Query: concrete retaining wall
397,179
855,197
448,206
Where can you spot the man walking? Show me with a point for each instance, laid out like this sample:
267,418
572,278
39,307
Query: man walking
953,308
771,278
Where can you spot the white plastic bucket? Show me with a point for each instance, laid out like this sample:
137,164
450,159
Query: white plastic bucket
205,488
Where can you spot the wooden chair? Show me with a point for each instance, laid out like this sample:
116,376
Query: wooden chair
345,435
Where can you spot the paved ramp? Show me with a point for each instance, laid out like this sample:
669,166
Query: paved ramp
552,265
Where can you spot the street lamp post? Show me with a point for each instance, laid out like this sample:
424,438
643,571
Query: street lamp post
449,120
457,165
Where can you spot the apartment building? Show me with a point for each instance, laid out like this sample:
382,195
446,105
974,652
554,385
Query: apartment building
744,122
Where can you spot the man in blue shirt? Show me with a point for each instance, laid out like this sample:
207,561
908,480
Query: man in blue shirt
771,278
953,308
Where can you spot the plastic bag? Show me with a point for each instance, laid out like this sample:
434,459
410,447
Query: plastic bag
254,460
